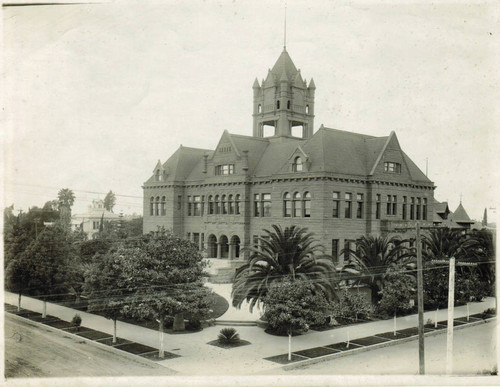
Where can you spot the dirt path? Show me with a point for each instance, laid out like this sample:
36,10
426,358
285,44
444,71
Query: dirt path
38,352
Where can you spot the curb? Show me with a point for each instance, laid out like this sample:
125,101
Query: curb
105,347
303,363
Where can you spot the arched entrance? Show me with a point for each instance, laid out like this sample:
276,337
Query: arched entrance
235,247
224,246
212,246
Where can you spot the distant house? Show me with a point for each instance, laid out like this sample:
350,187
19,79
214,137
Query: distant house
458,219
90,221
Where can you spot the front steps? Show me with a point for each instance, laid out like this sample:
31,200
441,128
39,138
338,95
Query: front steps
222,270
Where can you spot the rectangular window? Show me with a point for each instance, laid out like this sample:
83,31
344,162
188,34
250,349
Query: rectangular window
424,209
255,240
418,208
287,204
359,210
412,208
202,244
202,205
224,169
297,208
377,207
151,208
163,207
394,205
389,205
196,239
179,202
348,205
266,204
392,167
405,202
347,247
336,204
335,250
95,225
197,205
190,206
256,205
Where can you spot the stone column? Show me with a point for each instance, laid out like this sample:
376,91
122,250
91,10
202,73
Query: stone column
230,254
219,248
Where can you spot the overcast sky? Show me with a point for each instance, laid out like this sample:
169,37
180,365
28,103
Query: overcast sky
96,94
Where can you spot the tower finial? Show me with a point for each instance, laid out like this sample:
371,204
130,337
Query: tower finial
284,31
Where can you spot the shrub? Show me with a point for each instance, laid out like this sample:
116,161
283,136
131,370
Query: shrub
193,325
350,307
294,306
76,321
228,336
396,295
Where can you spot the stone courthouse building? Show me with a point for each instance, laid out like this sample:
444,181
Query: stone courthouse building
340,185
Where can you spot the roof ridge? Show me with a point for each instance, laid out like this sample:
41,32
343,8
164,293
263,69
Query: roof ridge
351,133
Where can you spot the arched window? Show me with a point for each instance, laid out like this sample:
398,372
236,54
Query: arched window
224,204
151,206
163,206
211,205
297,205
230,204
287,205
157,206
260,108
217,204
297,164
307,205
237,208
277,104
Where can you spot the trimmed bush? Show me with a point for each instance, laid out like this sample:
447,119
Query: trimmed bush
76,321
228,336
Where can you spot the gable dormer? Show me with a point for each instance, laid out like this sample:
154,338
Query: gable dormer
226,159
159,173
299,161
391,162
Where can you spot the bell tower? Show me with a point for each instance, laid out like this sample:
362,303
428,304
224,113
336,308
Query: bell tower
283,102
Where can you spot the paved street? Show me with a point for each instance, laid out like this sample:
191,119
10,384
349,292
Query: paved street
198,358
32,351
474,351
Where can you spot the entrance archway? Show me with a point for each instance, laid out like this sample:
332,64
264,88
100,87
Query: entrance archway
224,246
212,246
235,246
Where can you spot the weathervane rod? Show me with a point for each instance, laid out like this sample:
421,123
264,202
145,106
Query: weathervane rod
284,32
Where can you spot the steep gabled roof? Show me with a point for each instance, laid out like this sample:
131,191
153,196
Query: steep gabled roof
460,215
181,163
441,207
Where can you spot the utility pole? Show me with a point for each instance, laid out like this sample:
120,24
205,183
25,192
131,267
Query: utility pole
451,304
420,300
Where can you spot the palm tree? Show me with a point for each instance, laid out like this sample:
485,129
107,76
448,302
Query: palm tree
374,259
66,198
443,243
290,253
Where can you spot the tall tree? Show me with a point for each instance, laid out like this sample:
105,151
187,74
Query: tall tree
165,275
107,287
292,252
66,198
294,305
110,201
374,258
46,264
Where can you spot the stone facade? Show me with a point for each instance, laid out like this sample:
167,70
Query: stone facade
340,185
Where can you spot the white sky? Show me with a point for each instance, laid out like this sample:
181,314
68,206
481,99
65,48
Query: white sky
96,94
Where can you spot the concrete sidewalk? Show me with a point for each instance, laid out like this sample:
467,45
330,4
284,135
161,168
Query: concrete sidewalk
198,358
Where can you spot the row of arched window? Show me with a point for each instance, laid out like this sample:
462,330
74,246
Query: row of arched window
224,204
157,206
